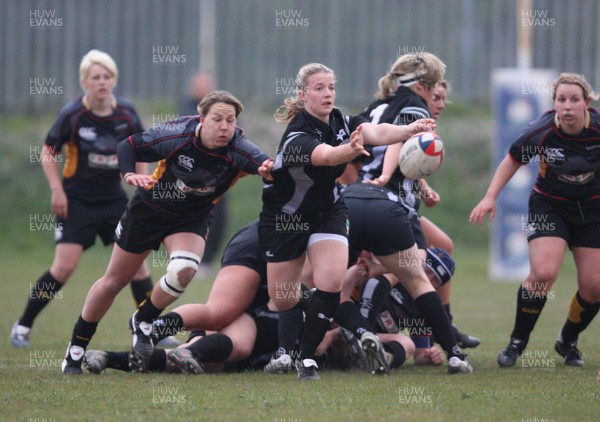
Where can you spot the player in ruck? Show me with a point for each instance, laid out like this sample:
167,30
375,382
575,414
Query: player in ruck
413,86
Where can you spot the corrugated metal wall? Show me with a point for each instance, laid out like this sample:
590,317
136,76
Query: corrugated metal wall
260,44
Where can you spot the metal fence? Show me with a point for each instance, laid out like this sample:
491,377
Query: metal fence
255,47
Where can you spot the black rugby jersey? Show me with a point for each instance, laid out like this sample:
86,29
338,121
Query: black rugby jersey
399,312
191,178
569,165
91,171
403,108
298,186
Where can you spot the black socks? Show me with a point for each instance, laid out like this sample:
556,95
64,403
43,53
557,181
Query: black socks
319,315
83,332
430,306
529,308
212,348
581,313
141,289
45,289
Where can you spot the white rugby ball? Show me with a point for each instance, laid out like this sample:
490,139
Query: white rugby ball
421,155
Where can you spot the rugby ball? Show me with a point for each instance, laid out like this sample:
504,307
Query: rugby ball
421,155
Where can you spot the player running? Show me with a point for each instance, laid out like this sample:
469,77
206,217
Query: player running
199,159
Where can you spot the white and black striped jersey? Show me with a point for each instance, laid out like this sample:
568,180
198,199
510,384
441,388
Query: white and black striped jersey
299,187
403,108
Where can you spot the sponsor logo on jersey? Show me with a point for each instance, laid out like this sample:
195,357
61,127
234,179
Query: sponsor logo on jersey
88,133
195,191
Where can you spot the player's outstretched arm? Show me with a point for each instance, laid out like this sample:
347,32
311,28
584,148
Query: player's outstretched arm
387,134
505,171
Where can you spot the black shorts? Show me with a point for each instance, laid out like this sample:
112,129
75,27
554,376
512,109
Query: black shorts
284,237
420,240
141,228
379,226
577,222
88,220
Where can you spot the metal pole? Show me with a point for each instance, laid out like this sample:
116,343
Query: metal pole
207,41
524,35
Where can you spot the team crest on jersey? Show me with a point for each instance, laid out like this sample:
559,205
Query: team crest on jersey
555,155
341,135
397,296
88,133
186,162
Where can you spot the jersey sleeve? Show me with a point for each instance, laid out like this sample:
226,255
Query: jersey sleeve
296,150
60,132
246,155
528,143
355,121
146,147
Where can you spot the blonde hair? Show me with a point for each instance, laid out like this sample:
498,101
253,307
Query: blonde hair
215,97
409,69
575,79
444,83
293,105
97,57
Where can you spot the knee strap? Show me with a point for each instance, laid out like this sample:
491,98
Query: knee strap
179,260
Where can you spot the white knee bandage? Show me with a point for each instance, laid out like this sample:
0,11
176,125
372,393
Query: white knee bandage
179,260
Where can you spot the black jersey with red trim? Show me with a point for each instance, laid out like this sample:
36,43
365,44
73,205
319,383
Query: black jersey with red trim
191,178
569,165
403,108
298,185
91,171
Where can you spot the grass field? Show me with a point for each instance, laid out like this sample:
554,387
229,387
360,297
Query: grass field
541,388
32,387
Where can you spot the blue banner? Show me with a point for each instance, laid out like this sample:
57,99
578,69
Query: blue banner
519,96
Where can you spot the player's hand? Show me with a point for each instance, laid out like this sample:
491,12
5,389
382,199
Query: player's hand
434,355
139,180
356,142
429,356
486,205
59,203
265,169
429,196
421,125
380,181
368,266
